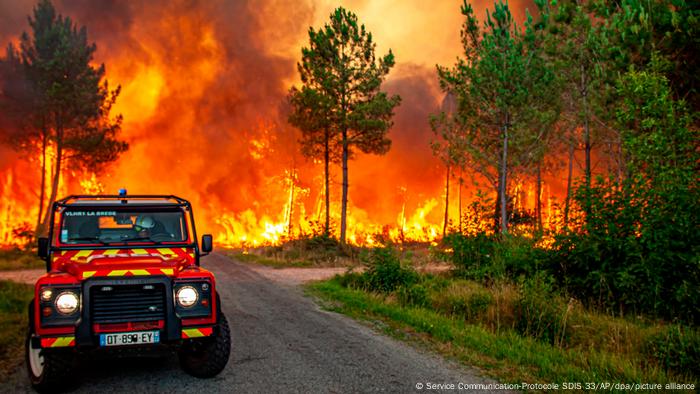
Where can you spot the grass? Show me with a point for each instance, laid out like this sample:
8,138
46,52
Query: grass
316,251
14,298
16,259
252,258
502,353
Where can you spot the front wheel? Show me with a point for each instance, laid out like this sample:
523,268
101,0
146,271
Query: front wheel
205,358
48,370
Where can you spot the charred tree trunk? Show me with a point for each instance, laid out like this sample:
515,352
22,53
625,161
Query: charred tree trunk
586,141
39,230
502,185
447,202
586,128
56,176
290,211
326,175
344,203
497,212
460,202
538,198
567,202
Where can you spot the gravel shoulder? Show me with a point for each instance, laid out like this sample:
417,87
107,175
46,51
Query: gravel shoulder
282,342
22,276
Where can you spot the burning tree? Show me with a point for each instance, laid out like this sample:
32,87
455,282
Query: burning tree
66,103
447,129
340,106
502,88
312,115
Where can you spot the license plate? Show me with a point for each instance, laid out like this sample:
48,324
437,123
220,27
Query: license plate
129,338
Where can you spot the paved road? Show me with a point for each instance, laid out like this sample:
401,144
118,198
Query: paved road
282,342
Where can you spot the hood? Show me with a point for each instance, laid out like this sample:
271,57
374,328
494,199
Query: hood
87,263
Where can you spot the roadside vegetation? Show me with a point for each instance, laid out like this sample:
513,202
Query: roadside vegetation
606,286
517,329
14,298
18,259
313,251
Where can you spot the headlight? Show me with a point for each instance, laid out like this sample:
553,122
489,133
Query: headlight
186,296
67,302
46,294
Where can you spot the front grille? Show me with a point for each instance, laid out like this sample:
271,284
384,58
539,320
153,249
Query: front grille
127,303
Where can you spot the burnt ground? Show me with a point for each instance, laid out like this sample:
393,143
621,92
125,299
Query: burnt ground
281,342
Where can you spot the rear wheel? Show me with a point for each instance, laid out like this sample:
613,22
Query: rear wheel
205,358
49,370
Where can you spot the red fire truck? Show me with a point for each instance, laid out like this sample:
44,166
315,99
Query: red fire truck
123,273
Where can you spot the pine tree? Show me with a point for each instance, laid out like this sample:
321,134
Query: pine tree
502,85
311,113
341,104
72,102
447,129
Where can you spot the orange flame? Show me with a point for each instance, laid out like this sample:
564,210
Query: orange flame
203,98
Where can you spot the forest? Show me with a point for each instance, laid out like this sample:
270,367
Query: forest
613,83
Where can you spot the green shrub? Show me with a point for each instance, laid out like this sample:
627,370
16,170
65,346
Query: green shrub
471,255
539,312
464,299
353,280
516,257
638,249
415,295
14,298
321,242
491,257
676,349
385,272
478,303
435,283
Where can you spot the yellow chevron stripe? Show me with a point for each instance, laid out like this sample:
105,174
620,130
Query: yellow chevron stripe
167,271
87,274
139,272
192,333
166,251
117,273
139,251
110,252
83,253
62,342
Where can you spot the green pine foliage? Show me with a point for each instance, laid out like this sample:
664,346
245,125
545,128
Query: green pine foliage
503,89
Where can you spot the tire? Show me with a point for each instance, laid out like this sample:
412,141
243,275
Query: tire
206,358
49,370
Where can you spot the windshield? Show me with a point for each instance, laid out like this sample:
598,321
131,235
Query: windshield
105,226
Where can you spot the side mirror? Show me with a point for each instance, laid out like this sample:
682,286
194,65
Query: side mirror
43,250
207,244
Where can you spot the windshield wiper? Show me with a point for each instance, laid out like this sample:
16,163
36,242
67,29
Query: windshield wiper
92,239
137,239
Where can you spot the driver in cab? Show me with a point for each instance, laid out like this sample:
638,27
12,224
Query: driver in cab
149,228
144,226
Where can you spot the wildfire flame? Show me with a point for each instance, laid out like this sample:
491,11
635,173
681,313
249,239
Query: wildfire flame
203,98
